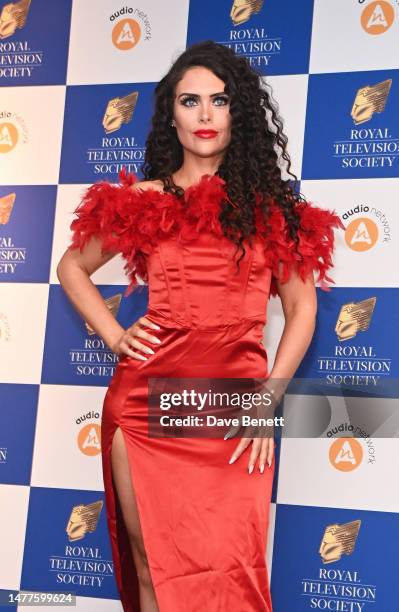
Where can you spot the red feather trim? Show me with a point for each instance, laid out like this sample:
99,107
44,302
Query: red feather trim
315,247
131,221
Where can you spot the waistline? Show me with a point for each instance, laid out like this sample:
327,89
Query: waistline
169,322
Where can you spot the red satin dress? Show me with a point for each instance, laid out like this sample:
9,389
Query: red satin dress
204,522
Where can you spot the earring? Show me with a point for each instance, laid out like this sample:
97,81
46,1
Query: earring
172,123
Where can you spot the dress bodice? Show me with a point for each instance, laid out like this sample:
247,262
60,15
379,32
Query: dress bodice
198,285
178,247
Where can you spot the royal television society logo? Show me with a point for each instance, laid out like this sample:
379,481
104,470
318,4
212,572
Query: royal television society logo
377,17
130,27
366,227
254,43
354,363
113,147
95,358
367,146
17,59
81,565
10,255
336,588
89,434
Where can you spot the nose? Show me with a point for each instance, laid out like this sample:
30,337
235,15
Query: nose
204,112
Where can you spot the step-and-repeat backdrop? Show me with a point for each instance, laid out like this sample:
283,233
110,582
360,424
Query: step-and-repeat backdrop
333,66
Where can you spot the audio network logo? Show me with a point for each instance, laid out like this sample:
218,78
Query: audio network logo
377,17
368,227
131,26
13,131
89,435
346,454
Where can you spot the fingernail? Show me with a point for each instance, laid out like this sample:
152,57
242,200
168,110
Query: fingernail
250,469
143,358
226,436
232,459
157,340
262,467
149,350
269,462
156,326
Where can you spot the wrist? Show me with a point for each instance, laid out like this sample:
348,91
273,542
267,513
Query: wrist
113,339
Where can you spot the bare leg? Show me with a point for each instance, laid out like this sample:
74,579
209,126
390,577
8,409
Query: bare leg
127,499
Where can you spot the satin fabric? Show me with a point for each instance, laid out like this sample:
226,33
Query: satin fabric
204,522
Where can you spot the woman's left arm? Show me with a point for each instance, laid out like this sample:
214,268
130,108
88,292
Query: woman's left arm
293,266
299,302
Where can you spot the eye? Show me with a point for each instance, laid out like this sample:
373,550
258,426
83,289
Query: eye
221,100
188,100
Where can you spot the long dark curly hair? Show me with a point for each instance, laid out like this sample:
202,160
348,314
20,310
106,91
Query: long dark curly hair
251,164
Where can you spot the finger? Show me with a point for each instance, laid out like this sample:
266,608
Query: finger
137,331
138,345
241,446
148,323
125,349
256,445
232,431
270,453
263,454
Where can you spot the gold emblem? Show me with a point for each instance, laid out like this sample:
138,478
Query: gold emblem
13,16
338,540
369,100
242,10
83,520
119,111
354,317
6,206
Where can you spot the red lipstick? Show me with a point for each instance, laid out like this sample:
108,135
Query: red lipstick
206,133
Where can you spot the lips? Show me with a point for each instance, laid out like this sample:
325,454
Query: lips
206,133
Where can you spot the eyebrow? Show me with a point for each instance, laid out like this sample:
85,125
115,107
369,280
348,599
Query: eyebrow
220,93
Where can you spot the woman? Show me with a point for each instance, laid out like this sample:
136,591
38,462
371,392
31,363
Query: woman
188,517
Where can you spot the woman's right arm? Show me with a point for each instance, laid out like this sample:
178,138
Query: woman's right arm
74,270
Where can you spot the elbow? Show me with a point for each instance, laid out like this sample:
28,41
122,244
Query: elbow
59,270
303,310
65,266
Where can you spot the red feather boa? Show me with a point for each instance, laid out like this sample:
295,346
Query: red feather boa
131,221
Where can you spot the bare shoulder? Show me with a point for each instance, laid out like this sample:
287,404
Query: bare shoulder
145,185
